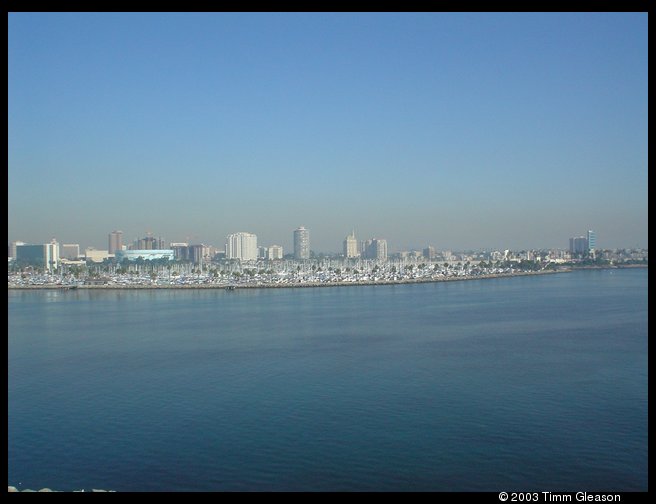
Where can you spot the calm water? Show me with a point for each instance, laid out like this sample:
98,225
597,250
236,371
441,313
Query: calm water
508,384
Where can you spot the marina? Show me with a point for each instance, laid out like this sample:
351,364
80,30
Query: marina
383,274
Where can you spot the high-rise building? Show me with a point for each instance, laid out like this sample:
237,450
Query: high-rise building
198,253
351,246
115,239
180,250
45,256
374,248
52,255
578,245
31,254
274,252
379,251
429,253
366,249
242,246
148,243
70,250
12,251
592,241
301,243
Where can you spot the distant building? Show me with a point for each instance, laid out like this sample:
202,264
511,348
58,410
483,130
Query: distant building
351,246
274,252
429,253
180,251
148,243
45,256
592,241
72,262
197,253
97,256
365,249
578,245
262,252
115,240
34,255
146,255
52,255
70,251
374,248
301,243
12,248
379,249
242,246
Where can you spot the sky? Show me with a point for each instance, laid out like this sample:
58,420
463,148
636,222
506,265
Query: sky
464,131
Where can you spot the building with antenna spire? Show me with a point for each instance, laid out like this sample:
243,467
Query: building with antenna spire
351,246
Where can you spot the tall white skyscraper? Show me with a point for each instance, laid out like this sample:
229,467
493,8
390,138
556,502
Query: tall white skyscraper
301,243
351,246
51,253
242,246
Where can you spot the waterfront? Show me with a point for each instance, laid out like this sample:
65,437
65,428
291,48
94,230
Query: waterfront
268,274
520,383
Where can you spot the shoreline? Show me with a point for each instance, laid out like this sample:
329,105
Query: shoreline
313,284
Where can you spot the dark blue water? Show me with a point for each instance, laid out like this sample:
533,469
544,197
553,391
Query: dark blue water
527,383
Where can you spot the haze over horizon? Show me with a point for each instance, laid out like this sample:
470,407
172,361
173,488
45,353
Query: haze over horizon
462,131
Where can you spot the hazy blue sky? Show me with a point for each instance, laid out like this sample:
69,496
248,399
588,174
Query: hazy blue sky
491,130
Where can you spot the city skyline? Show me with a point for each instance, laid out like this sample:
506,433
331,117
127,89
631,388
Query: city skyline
243,245
459,131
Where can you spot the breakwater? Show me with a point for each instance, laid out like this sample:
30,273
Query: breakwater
14,489
301,284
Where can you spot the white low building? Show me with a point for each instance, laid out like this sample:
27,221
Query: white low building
146,255
97,256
